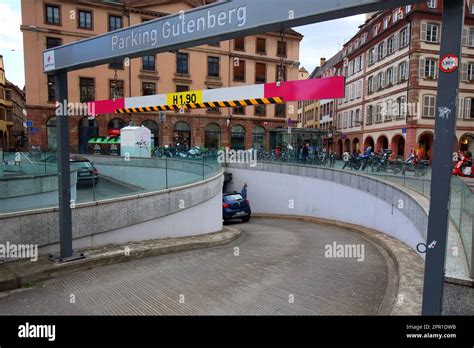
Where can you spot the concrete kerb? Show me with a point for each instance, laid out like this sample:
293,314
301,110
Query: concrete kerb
409,266
20,273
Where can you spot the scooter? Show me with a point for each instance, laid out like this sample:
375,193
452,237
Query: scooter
464,167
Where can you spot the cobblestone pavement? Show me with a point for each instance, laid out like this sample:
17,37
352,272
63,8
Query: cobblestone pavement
281,269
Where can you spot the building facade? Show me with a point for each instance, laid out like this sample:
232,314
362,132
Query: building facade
13,135
247,60
391,68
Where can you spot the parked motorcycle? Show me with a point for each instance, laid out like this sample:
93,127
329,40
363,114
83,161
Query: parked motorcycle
416,165
353,162
464,167
366,158
384,164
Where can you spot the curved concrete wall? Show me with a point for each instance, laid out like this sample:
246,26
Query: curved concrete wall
275,188
186,210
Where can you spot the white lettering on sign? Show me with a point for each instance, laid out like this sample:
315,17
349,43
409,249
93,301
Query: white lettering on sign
137,38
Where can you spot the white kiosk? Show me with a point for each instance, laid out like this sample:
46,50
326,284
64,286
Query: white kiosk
135,142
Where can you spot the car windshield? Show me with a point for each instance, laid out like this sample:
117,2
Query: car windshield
81,165
233,198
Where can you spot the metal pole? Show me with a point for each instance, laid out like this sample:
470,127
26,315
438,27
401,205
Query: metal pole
64,176
445,127
64,172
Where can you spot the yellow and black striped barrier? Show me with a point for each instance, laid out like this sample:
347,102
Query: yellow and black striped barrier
221,104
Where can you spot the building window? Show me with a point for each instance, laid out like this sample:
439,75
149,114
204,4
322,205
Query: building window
429,106
428,68
356,65
382,50
239,110
402,107
53,14
148,88
470,71
388,111
212,136
181,88
359,89
404,37
182,136
261,46
149,63
467,71
214,44
239,44
280,110
237,140
370,83
239,71
403,71
85,20
51,89
373,56
182,63
260,110
258,141
468,108
213,66
53,42
260,73
370,115
352,92
115,23
389,76
392,44
429,32
116,89
471,37
87,89
378,112
381,80
281,49
431,3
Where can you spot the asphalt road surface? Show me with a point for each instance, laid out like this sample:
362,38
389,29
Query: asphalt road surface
280,269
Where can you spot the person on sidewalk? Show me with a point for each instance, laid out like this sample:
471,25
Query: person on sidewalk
244,191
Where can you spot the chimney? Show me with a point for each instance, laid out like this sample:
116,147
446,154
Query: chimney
322,62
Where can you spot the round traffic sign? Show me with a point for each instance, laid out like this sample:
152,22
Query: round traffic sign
449,63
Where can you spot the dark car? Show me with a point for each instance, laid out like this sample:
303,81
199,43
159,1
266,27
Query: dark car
86,172
234,206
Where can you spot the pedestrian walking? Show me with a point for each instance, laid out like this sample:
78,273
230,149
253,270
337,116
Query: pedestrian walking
244,191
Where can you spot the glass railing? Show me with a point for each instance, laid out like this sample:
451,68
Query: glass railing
29,180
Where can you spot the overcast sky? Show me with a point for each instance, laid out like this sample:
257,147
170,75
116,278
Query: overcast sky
320,40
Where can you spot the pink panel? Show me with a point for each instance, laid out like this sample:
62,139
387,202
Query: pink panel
312,89
100,107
